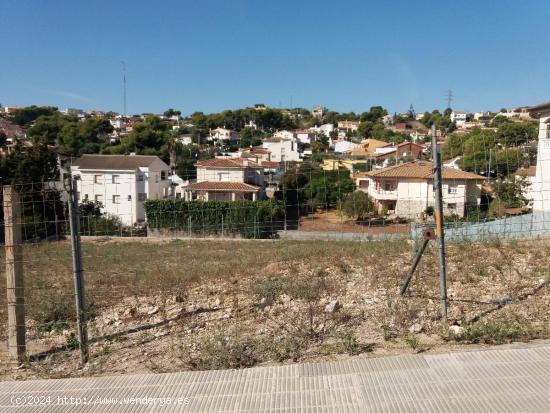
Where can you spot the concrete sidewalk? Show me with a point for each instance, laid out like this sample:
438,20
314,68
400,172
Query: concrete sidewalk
512,378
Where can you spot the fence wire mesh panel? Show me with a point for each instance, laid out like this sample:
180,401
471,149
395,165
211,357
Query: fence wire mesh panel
245,265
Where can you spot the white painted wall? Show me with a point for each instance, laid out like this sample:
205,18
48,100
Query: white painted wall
540,188
119,191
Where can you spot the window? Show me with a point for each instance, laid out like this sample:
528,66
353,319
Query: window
223,176
85,197
140,178
142,196
99,198
129,197
453,189
163,175
156,178
98,179
116,199
451,206
115,179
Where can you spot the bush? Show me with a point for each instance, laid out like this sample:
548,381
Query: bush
492,332
249,219
357,205
225,350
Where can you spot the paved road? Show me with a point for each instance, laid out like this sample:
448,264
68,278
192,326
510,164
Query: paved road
505,379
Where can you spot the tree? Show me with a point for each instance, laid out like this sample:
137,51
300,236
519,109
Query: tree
321,144
509,193
171,112
3,139
77,138
25,116
357,205
516,134
374,114
46,128
245,137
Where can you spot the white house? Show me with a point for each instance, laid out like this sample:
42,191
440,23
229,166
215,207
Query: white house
121,183
349,125
285,134
407,189
305,136
229,179
282,150
222,134
326,128
186,139
341,146
459,118
530,175
540,188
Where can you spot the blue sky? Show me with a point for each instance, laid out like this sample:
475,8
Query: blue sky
212,55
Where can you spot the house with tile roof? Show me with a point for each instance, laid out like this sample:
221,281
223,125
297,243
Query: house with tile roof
406,190
227,179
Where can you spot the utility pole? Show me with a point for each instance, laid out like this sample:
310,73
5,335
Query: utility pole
124,85
14,276
449,98
78,271
438,214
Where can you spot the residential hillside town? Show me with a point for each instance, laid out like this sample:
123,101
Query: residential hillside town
306,160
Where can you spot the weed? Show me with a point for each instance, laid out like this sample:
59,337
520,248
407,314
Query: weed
493,332
349,343
72,342
411,340
229,350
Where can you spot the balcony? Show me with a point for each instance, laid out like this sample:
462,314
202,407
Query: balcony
383,194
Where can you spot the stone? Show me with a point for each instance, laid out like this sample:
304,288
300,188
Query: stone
332,306
152,310
416,328
456,331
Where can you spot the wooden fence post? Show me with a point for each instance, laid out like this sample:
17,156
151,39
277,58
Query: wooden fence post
14,276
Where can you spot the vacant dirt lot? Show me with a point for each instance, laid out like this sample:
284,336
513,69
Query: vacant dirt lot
332,221
169,306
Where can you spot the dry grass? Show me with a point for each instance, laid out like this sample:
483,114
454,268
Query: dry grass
246,303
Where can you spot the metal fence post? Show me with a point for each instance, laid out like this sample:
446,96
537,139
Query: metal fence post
14,276
78,271
438,213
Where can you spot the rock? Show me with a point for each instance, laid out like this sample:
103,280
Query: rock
456,331
173,311
218,302
265,302
153,310
416,328
161,334
285,298
332,306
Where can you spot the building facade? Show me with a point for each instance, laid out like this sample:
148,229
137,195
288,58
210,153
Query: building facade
121,183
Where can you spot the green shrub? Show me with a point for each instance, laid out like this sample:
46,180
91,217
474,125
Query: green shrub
411,340
249,219
492,332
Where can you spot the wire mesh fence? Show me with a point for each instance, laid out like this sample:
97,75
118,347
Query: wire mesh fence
176,276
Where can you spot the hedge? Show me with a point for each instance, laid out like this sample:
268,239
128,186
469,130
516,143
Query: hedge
249,219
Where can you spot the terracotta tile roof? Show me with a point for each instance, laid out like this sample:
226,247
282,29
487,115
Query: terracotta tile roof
227,163
530,171
222,186
360,175
422,170
270,164
260,150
